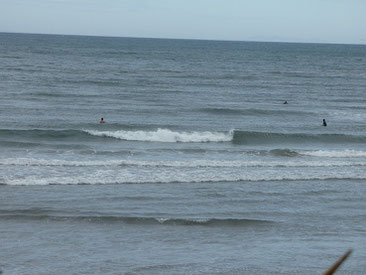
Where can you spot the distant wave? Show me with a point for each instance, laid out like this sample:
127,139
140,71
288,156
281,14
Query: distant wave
250,112
167,135
221,111
119,52
112,82
44,215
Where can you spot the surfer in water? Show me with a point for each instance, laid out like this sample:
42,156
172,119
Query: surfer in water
101,120
324,123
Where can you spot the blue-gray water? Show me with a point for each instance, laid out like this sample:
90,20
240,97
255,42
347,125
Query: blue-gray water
199,169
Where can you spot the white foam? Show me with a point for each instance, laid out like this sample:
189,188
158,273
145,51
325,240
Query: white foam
196,163
352,115
54,162
335,154
179,176
165,135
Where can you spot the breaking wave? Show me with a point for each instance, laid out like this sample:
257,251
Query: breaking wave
167,135
235,136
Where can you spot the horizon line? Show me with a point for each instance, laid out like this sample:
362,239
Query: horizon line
191,39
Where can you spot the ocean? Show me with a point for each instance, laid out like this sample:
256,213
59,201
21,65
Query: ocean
199,168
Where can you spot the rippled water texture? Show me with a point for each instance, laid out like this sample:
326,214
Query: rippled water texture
199,169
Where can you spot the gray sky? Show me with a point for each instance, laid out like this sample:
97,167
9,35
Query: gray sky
333,21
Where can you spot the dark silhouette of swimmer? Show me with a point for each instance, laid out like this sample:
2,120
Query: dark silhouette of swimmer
324,123
285,102
101,120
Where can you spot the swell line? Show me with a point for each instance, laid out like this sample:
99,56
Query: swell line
103,219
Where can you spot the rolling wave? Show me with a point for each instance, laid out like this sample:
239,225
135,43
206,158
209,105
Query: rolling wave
283,152
245,137
167,135
159,135
211,222
235,136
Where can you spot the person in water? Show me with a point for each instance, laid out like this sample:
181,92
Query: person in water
324,123
285,102
101,120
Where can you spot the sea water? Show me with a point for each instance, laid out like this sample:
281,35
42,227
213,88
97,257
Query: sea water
199,168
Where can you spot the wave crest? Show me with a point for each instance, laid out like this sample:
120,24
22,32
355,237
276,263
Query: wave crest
165,135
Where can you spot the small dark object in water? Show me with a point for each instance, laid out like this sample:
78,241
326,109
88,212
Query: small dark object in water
324,123
285,102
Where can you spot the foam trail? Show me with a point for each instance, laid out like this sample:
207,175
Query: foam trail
335,154
139,176
203,163
165,135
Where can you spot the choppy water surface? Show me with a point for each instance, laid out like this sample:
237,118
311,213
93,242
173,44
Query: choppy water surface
199,169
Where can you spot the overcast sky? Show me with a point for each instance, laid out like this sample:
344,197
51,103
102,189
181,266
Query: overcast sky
333,21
